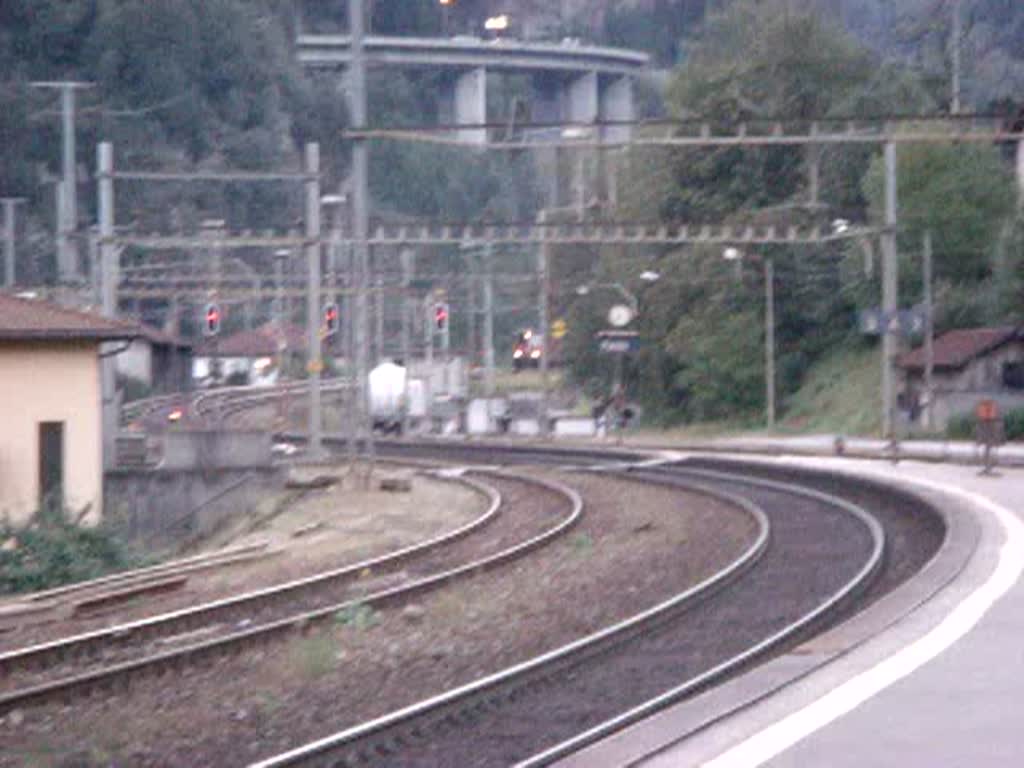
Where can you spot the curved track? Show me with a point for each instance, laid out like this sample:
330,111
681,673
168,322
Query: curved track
825,553
53,670
822,560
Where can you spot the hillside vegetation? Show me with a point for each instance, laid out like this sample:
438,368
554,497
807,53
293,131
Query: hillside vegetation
212,84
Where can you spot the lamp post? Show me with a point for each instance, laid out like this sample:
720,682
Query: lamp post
445,10
735,255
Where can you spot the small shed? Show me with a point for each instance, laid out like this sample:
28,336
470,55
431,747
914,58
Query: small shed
160,361
51,444
969,364
253,356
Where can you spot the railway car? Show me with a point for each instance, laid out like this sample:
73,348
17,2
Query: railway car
388,397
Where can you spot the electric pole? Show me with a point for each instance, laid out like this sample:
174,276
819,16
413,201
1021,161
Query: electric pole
313,319
360,210
954,44
67,207
890,293
9,231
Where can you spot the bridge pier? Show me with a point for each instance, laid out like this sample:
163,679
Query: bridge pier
464,102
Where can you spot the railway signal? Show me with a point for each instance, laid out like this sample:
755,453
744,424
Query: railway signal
441,316
211,319
331,319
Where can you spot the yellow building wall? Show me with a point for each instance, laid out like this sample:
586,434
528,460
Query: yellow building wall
50,381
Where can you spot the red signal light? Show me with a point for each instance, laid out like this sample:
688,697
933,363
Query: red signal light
212,319
440,316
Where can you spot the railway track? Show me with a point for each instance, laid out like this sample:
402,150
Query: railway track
64,669
818,557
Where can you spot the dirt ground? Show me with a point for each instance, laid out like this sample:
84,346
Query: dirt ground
637,544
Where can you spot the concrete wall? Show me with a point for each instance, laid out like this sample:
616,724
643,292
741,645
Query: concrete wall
212,450
161,509
50,381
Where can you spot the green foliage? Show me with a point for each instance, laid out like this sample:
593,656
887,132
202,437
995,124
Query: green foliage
961,427
1015,424
359,616
962,194
52,552
314,655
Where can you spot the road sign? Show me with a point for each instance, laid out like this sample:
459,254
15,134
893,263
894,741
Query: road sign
908,322
620,315
618,342
559,329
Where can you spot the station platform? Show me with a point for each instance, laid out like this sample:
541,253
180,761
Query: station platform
931,675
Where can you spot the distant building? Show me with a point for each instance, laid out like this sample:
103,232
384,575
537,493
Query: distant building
254,356
51,407
158,360
969,364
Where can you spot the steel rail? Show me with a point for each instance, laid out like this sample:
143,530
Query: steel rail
334,749
57,650
855,585
173,660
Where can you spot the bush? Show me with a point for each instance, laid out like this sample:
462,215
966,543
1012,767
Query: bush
53,552
1015,424
961,427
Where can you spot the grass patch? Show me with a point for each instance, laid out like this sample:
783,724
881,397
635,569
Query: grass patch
581,543
359,616
314,655
841,393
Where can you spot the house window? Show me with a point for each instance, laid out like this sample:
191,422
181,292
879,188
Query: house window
1013,375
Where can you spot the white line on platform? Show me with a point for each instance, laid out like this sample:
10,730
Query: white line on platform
780,736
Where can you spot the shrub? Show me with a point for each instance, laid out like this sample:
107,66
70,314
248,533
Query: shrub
52,552
1015,424
961,427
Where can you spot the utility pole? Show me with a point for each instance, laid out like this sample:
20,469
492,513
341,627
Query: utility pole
9,231
360,210
929,331
545,287
954,44
769,347
378,307
108,292
407,257
313,319
67,208
489,327
890,293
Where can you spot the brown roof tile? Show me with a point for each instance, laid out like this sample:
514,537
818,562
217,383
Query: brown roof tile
31,319
955,349
257,342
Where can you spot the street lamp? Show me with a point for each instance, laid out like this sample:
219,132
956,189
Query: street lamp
496,24
736,256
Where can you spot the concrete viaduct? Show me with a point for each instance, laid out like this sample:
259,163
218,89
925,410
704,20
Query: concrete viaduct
570,82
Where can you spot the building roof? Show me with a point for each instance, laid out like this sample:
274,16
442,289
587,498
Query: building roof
157,336
34,319
955,349
257,342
